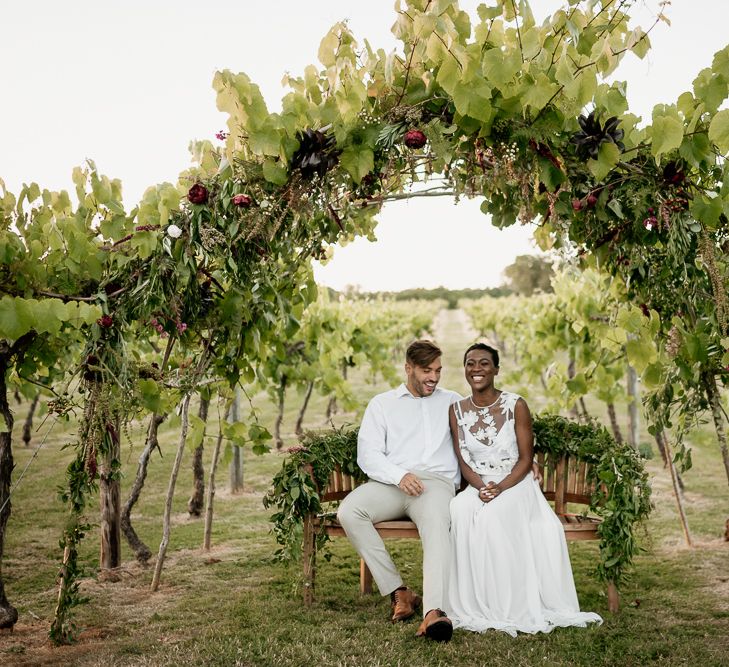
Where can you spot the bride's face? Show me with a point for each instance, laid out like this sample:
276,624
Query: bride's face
480,370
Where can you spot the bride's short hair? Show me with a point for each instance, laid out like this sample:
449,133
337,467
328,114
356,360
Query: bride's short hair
422,353
486,348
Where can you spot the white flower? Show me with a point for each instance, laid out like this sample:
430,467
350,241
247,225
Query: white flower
469,419
174,231
508,402
265,204
486,435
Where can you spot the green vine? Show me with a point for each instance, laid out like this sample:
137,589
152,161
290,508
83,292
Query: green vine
296,493
81,486
621,497
622,492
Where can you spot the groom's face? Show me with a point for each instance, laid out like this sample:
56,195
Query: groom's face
422,380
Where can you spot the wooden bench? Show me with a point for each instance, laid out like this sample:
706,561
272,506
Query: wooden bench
564,481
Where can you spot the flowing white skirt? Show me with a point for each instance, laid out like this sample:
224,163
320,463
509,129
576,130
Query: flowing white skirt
510,568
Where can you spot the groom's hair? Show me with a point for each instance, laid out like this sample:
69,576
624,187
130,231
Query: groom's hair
422,353
487,348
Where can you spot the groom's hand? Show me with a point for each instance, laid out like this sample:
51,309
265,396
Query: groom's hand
411,485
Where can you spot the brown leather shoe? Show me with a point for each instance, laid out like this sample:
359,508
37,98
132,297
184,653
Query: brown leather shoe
404,604
437,626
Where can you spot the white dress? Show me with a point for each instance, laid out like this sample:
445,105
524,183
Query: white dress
510,568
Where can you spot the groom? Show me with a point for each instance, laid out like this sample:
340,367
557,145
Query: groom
405,449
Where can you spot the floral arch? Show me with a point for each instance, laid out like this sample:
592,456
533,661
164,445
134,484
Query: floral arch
495,106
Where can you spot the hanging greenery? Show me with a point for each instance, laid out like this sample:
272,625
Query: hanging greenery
621,497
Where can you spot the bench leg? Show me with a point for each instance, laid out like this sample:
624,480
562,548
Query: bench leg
613,597
309,560
365,578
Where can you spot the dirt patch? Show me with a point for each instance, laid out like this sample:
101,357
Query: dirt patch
121,600
29,646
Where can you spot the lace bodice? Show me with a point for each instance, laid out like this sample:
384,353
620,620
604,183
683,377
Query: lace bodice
486,436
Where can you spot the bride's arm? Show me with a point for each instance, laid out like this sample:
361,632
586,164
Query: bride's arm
525,443
469,474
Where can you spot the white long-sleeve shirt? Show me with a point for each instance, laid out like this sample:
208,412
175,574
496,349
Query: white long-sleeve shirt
402,433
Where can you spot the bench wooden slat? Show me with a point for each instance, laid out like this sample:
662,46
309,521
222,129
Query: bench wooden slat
582,485
559,485
571,476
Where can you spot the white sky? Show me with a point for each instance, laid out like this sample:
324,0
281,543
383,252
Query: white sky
127,83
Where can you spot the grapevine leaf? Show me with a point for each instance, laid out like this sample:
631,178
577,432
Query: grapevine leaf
358,161
16,317
710,88
607,158
197,430
667,134
640,353
652,375
539,92
275,172
235,432
328,48
449,74
719,130
150,394
706,210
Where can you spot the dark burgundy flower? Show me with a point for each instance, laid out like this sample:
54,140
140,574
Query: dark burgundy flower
317,153
415,139
591,200
592,134
105,321
222,136
644,309
673,173
577,204
244,201
198,194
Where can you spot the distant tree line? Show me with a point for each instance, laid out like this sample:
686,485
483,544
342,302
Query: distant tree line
527,275
450,296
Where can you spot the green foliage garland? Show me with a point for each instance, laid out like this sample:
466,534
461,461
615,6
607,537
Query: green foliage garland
621,497
622,494
296,494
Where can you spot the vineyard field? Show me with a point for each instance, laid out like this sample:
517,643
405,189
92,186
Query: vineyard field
234,606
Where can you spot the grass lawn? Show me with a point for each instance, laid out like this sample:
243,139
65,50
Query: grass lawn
234,606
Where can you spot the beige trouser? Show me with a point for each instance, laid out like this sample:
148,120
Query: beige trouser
373,502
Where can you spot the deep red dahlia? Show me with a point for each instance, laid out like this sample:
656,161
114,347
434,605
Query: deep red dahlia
415,139
198,194
244,201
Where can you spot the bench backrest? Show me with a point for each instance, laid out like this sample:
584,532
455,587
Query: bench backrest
564,480
339,485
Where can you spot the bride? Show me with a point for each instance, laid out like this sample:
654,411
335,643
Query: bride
510,568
